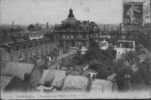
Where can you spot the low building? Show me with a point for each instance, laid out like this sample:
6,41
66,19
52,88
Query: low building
25,50
36,35
124,46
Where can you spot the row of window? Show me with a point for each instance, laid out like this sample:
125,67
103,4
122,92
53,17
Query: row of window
73,36
84,36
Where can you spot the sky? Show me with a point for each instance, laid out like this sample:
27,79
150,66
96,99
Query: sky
26,12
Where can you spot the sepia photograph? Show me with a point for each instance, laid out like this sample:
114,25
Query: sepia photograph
75,49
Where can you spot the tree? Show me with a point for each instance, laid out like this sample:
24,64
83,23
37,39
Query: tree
124,67
123,77
31,27
145,71
77,59
123,71
99,60
93,52
144,39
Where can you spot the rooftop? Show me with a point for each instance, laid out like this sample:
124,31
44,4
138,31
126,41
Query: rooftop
71,24
70,19
23,44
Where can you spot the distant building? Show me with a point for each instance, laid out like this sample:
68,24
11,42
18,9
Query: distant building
74,33
24,50
109,27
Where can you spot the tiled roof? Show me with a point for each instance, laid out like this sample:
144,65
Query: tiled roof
17,69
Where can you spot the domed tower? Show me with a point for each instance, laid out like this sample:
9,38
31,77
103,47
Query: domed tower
70,19
70,13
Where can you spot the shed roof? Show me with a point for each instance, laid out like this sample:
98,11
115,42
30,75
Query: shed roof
17,69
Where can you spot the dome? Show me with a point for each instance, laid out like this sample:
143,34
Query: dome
70,19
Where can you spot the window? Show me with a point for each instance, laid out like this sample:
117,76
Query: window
72,36
79,36
63,36
68,36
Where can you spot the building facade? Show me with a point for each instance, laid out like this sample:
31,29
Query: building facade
75,33
25,50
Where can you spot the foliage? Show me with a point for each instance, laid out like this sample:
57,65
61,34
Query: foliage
34,27
131,57
98,60
144,39
103,70
145,71
77,59
124,67
93,52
